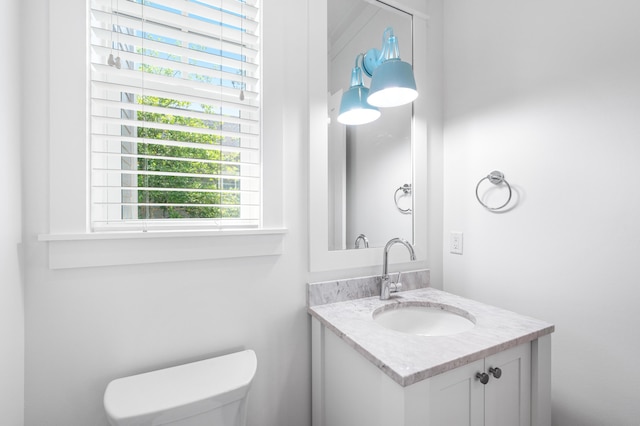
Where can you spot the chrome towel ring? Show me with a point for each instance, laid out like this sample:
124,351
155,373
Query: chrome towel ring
495,177
406,189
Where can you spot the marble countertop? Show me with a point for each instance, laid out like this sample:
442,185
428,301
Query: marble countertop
408,358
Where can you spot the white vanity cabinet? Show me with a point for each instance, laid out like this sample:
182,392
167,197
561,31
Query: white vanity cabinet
460,398
349,390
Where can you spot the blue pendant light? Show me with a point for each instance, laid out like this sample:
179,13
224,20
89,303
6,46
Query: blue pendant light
392,80
354,108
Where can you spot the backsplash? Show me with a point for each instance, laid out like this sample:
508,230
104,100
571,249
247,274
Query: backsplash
323,292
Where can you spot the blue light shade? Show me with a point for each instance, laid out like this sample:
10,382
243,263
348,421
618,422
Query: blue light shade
392,80
392,84
354,108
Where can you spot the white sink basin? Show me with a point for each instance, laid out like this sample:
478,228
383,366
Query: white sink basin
424,320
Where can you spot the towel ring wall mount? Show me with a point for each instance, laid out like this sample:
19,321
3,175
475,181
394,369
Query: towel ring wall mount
406,190
496,177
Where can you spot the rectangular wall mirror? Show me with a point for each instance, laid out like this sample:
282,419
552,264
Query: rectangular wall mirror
363,179
370,167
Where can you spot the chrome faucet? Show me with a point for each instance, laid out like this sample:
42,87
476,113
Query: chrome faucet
386,287
362,238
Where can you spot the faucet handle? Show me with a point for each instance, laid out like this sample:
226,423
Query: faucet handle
398,285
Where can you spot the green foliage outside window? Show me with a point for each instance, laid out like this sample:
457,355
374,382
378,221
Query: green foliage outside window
184,160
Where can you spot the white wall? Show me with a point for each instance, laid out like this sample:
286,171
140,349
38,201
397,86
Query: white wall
549,93
11,290
85,327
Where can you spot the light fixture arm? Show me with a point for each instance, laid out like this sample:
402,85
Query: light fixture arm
356,72
375,57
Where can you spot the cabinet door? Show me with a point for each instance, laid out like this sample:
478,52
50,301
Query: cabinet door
457,397
508,398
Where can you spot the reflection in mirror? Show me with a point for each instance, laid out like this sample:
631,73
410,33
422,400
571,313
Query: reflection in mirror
370,165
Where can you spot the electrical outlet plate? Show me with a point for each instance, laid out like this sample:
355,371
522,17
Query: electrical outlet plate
455,242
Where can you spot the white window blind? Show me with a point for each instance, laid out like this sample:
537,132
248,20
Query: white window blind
175,114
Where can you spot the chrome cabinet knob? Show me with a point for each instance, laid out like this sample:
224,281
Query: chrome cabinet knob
496,372
483,377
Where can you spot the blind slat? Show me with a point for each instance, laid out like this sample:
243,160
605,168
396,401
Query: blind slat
101,139
177,224
134,10
188,45
172,127
151,188
129,48
165,158
228,206
247,8
178,112
108,35
137,50
201,10
166,84
111,89
177,174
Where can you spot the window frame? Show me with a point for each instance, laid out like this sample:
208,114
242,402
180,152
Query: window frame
144,39
70,239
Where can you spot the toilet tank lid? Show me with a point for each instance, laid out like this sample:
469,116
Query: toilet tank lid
204,385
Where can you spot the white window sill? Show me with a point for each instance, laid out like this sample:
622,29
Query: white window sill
81,250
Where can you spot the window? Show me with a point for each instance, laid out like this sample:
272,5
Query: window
175,114
70,235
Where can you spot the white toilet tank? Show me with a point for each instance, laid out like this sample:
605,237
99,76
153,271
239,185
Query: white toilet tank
212,392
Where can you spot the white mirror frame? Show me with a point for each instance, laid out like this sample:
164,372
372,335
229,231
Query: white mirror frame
321,258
